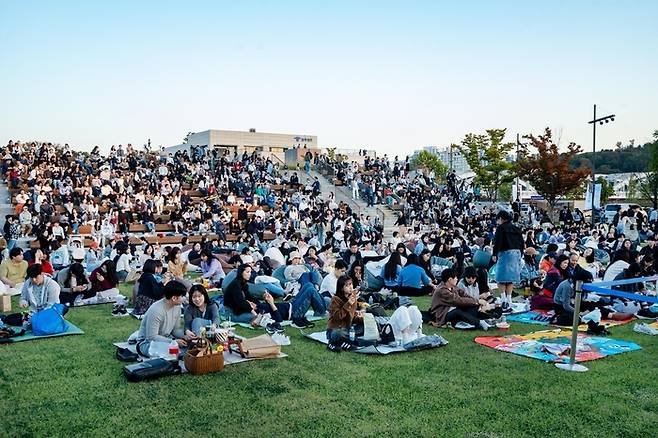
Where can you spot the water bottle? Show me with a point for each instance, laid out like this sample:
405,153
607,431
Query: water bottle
352,334
173,350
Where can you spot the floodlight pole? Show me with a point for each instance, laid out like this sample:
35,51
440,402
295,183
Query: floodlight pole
594,121
572,365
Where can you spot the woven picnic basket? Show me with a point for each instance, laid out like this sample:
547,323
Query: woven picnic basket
202,359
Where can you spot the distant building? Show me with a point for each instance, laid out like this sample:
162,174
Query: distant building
451,157
270,145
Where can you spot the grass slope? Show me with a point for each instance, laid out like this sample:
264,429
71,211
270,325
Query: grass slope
74,386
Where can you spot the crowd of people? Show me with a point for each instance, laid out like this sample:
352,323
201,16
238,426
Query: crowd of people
475,260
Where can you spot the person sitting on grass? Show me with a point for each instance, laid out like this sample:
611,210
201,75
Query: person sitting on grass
200,312
161,321
39,290
73,282
328,286
104,280
391,271
412,280
342,314
12,272
452,305
211,268
150,288
544,300
177,267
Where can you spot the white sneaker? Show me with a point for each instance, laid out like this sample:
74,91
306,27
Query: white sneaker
461,325
484,326
645,329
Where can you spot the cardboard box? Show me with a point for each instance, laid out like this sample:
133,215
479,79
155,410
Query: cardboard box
5,303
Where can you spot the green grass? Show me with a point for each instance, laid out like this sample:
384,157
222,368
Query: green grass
73,386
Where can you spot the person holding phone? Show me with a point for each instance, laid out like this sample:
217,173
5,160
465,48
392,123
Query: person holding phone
342,314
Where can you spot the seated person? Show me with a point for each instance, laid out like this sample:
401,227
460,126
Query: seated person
297,271
122,261
41,257
391,271
150,288
451,304
73,283
328,286
624,305
12,272
554,277
200,312
39,290
177,267
104,279
358,279
342,314
530,275
211,268
468,283
162,320
413,281
194,256
59,255
242,307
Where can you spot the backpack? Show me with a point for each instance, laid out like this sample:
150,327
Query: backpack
49,321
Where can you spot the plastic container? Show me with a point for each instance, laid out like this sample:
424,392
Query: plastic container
159,349
173,350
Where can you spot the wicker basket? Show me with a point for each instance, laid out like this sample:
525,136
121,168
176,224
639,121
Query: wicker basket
203,360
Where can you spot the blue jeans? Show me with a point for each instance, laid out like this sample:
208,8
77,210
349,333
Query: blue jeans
274,289
312,277
198,324
336,336
11,244
121,275
307,297
242,318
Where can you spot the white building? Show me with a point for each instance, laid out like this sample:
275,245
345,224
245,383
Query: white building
451,157
272,145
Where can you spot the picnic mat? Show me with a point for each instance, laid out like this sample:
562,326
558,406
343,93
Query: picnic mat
531,316
229,358
371,349
554,345
72,329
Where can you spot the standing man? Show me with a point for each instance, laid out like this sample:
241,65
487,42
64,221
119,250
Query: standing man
508,245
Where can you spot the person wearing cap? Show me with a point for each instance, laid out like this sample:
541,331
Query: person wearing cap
508,244
39,291
530,275
297,271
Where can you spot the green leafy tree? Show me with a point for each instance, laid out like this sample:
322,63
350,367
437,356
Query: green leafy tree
487,157
648,187
548,169
427,162
607,189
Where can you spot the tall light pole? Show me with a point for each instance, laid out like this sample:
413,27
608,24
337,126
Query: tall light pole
518,187
593,122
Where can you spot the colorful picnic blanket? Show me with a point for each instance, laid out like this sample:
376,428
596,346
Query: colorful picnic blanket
554,345
543,317
28,335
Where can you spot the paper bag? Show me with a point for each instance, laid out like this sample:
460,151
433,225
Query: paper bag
5,303
261,347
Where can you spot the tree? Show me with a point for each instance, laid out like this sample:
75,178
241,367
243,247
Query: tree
487,157
607,189
427,162
648,187
548,170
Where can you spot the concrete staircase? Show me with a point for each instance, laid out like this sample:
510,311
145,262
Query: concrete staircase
344,194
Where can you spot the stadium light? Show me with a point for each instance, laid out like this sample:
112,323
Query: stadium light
600,120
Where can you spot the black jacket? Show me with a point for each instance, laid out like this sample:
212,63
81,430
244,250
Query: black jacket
235,299
508,236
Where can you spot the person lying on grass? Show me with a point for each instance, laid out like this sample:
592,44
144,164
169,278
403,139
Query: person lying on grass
342,314
244,308
452,305
161,321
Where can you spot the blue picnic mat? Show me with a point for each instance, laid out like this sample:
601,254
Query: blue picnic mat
72,329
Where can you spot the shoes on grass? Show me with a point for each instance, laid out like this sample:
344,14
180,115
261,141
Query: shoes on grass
645,329
302,323
274,327
119,310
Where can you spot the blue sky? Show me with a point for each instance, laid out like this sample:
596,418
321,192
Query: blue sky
392,76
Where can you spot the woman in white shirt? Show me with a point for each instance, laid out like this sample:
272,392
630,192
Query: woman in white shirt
122,261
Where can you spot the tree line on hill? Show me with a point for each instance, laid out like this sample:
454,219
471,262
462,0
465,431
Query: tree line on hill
629,158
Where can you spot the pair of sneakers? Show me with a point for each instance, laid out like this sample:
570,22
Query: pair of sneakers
339,346
119,310
274,327
302,323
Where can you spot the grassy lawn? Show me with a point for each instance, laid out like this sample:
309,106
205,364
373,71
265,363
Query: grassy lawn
73,386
